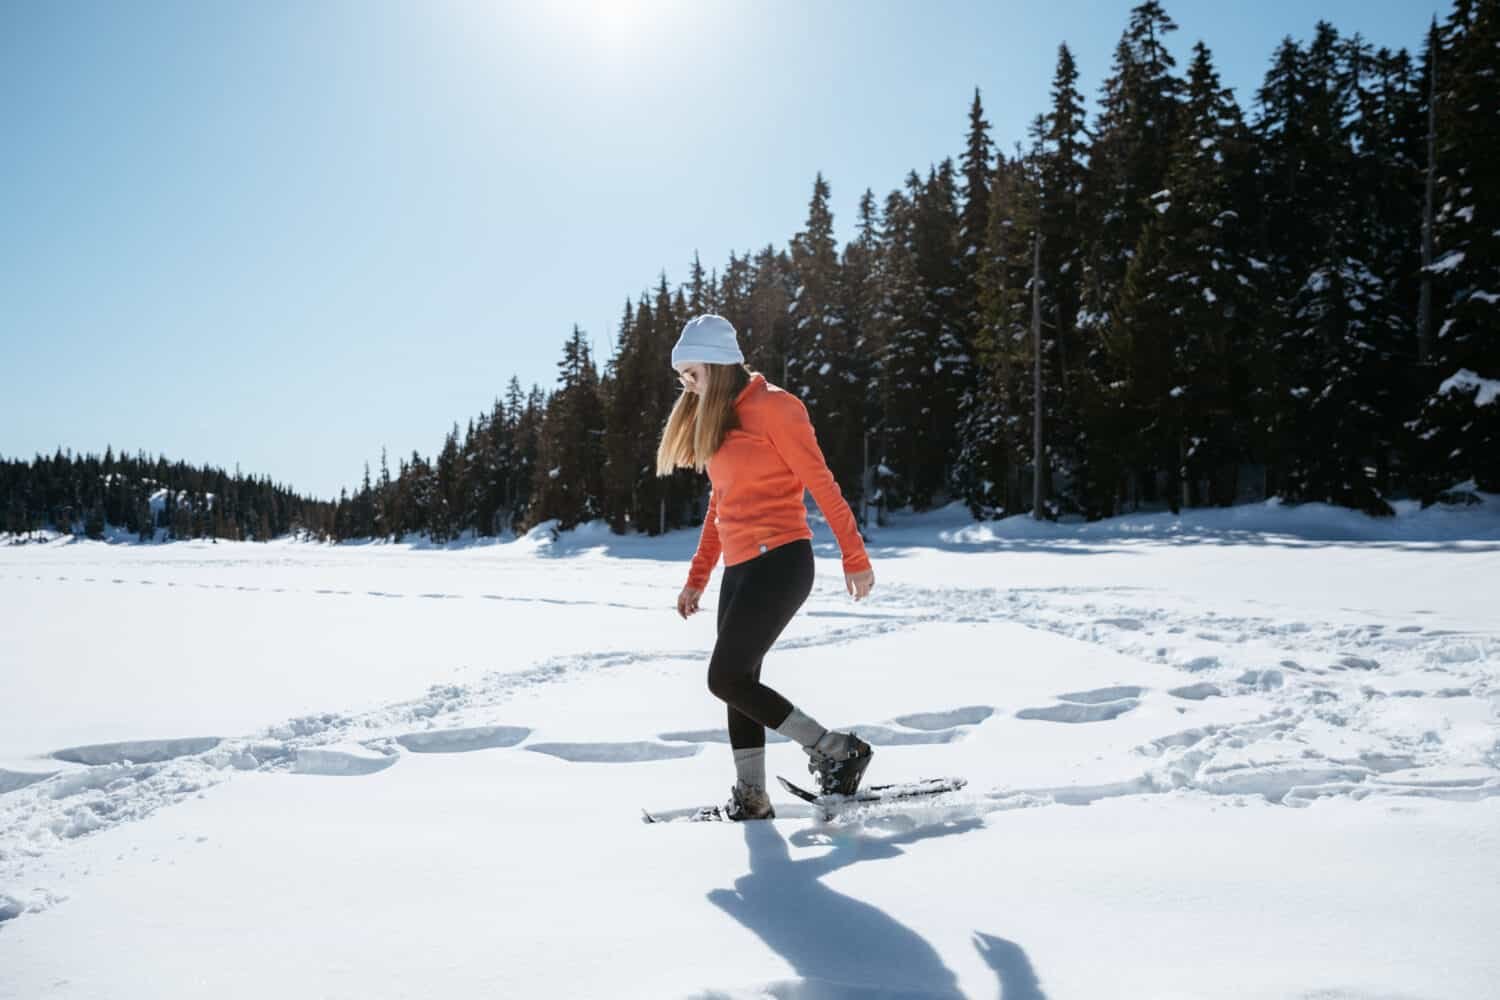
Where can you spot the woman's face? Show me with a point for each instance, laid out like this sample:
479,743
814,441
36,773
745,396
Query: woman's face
693,375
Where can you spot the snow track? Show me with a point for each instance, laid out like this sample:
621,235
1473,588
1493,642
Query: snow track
1341,680
1287,707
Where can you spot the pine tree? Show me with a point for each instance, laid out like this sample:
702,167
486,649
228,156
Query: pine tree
925,367
820,362
817,341
767,332
1128,164
1327,325
973,224
862,268
629,438
1062,170
1388,143
734,293
1468,220
1460,432
907,386
1181,327
698,288
991,451
570,464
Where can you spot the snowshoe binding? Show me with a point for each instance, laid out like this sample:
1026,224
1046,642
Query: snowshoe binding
748,802
838,761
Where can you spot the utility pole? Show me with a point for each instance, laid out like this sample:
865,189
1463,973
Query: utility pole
1036,375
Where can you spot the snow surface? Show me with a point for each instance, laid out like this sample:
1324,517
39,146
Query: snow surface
1463,380
1250,752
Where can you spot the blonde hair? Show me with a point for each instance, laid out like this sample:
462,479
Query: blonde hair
698,421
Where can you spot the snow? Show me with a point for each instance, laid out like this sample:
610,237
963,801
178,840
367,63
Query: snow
409,770
1447,262
1463,380
1488,297
158,500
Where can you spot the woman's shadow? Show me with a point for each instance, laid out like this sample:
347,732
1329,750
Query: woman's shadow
840,947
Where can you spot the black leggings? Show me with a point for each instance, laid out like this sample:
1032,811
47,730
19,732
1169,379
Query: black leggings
756,600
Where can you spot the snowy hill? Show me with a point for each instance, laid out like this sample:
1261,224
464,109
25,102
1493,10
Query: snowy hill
1242,753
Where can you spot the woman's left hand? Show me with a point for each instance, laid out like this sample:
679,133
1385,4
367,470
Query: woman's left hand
859,584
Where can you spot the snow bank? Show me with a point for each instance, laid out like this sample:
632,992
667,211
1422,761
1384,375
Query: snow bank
1271,519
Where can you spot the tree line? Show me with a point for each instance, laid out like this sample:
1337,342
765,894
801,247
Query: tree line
1171,302
149,499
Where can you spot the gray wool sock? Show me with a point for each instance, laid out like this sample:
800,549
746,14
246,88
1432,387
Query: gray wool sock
801,728
829,742
750,766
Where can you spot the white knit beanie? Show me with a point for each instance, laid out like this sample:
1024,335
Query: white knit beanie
708,338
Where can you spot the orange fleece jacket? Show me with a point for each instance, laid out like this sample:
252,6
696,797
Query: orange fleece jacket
759,474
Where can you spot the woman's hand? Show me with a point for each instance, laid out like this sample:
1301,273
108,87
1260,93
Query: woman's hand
859,584
687,601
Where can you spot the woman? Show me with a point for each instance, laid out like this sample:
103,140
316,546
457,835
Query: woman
760,452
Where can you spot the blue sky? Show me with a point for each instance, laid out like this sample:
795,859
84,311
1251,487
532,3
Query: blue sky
285,234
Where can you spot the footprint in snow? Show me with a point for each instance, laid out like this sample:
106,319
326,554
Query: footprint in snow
1100,695
136,751
463,740
970,715
1196,692
11,781
615,753
341,760
1263,680
1128,624
713,736
884,736
1072,712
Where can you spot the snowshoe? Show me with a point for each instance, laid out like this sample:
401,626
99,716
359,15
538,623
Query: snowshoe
838,762
748,802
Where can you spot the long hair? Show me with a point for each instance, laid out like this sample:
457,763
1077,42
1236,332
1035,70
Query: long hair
697,424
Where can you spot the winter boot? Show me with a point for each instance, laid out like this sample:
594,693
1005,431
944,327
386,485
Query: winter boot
748,802
838,760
